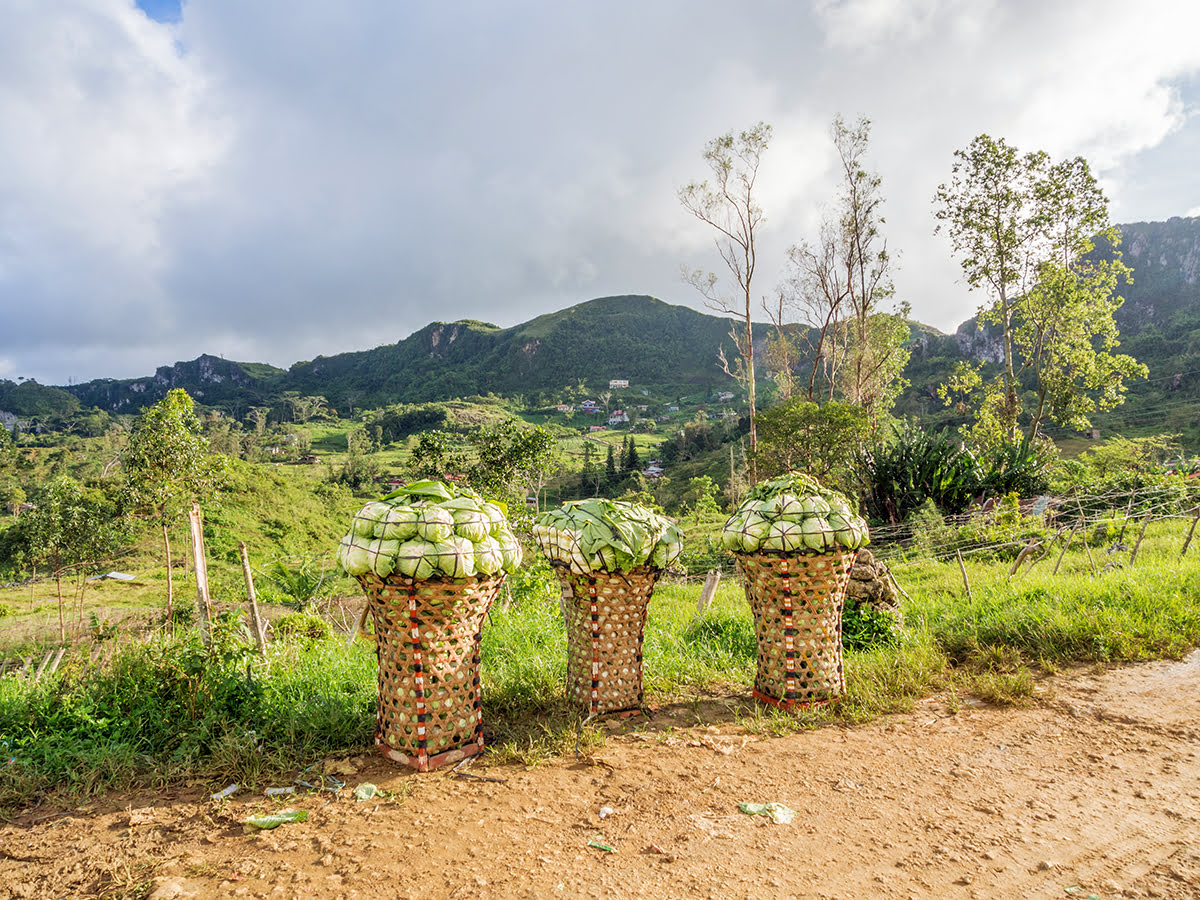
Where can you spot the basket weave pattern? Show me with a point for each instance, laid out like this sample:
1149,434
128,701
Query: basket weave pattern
606,619
797,605
427,637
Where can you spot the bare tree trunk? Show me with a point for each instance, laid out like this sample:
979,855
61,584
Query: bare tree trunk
170,582
62,625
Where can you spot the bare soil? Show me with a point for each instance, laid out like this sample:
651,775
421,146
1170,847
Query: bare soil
1092,792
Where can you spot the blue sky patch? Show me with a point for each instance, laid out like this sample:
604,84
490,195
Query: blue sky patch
161,10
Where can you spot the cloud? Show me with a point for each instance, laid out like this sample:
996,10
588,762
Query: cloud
276,180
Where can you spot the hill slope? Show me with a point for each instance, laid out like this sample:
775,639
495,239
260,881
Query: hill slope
638,338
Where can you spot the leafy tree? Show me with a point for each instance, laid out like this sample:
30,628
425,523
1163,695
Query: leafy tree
514,462
729,206
818,439
168,467
437,456
700,498
70,529
360,467
1023,227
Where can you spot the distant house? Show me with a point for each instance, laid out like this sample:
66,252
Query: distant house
564,408
589,406
597,428
618,417
725,396
672,409
618,383
643,408
654,470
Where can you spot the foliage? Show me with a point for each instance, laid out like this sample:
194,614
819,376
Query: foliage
302,585
1023,227
33,401
916,465
865,626
1020,467
729,206
167,462
169,707
821,440
360,468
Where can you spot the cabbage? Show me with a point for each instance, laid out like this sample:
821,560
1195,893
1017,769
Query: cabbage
813,505
497,520
429,531
367,519
801,517
818,535
470,523
415,559
352,555
489,559
510,550
454,557
785,536
383,556
435,524
400,523
603,535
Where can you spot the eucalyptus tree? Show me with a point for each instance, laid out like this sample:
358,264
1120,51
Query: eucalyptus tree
1023,228
69,529
838,286
729,205
168,467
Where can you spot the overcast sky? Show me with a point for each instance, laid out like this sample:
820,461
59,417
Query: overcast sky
269,180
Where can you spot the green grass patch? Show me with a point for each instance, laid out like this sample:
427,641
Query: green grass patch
164,709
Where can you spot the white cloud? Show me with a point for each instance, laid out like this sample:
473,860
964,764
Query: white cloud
275,180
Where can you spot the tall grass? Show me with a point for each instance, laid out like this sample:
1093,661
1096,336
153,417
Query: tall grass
166,708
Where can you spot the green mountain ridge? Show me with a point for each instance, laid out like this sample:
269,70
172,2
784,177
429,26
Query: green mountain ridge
668,349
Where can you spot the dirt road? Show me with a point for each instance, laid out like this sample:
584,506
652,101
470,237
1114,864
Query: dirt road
1093,793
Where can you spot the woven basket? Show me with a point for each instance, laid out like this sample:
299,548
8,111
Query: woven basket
427,641
606,619
797,604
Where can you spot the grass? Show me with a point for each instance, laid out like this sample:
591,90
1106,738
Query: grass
164,709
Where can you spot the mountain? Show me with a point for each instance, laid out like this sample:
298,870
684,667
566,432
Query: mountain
210,380
636,338
672,350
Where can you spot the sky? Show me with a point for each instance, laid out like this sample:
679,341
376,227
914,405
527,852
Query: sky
272,180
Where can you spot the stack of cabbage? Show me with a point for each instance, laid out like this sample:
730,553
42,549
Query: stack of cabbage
794,514
597,535
429,530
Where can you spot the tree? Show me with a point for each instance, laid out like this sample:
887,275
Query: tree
70,529
729,206
361,467
818,439
1023,227
435,456
168,467
839,285
513,462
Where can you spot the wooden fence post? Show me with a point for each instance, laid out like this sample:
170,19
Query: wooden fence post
711,580
1191,531
1086,543
1070,537
252,598
203,603
1138,543
963,569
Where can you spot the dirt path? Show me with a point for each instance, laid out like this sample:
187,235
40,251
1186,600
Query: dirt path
1094,793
